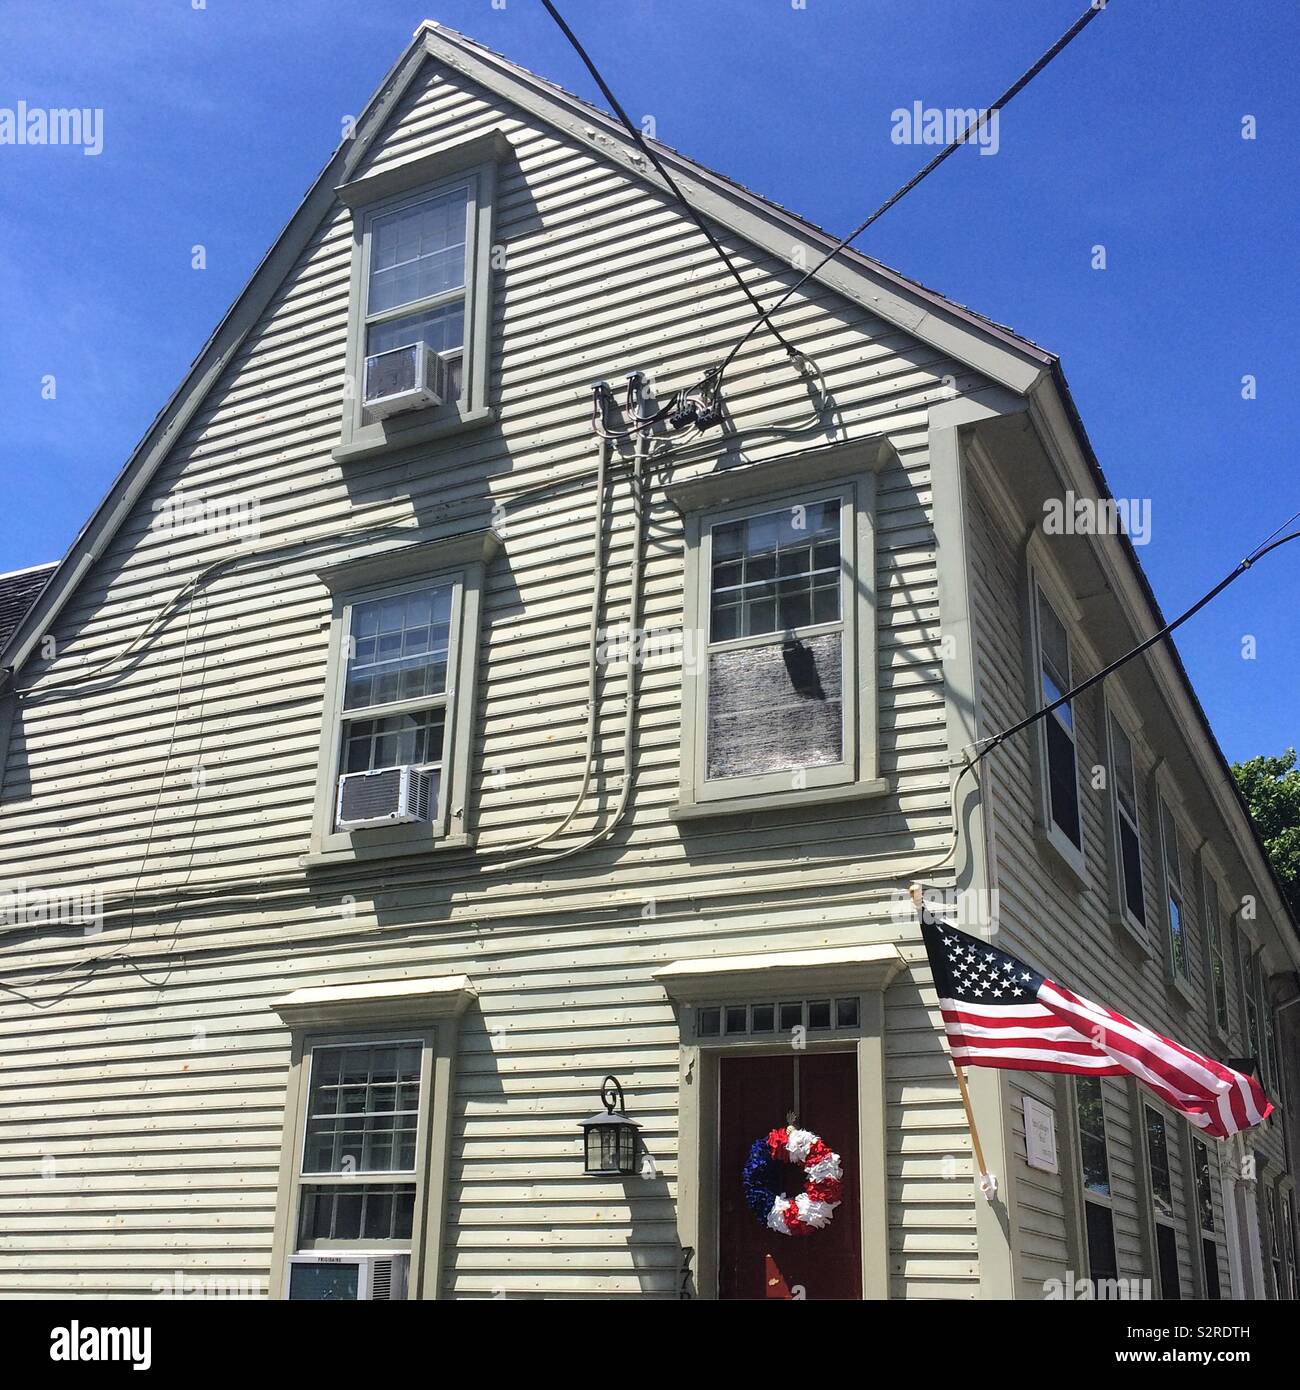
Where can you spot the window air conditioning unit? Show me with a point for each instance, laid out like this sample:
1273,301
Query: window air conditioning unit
405,378
348,1278
386,796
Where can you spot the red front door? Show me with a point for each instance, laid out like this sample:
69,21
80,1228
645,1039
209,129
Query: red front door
756,1095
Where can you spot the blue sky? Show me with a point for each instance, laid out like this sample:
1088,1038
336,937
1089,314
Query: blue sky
217,120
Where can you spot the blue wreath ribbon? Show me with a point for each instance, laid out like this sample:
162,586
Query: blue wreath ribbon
763,1179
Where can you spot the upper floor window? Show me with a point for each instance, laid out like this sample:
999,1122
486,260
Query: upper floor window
1128,836
394,765
418,340
1060,740
1216,954
1162,1202
415,279
1175,895
779,692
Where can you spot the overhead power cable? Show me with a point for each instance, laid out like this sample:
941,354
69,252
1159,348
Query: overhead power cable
985,746
765,315
648,151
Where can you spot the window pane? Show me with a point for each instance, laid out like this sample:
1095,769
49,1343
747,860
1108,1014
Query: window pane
399,648
775,708
1055,644
443,329
418,251
1125,785
398,740
1204,1185
1170,834
1131,867
775,572
1210,1263
1101,1242
1092,1134
1177,943
362,1110
1167,1258
1063,787
356,1211
1158,1155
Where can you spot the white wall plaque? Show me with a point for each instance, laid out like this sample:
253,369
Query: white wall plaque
1040,1135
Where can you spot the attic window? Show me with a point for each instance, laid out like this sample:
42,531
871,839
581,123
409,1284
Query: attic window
421,297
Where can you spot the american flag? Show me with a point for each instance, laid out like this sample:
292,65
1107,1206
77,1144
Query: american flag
999,1012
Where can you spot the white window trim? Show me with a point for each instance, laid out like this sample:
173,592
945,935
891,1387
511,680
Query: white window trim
845,471
462,561
1107,1200
473,164
1167,798
1154,1217
1195,1226
1213,902
1138,931
430,1008
1040,577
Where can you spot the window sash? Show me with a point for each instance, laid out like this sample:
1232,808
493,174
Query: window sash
1217,954
445,700
437,299
1130,860
1053,677
1158,1166
1175,898
1087,1090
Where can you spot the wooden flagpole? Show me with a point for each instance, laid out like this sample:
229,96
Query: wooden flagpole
988,1183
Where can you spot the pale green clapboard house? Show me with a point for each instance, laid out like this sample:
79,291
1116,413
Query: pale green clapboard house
420,759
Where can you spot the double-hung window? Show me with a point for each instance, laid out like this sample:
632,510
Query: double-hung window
1094,1161
1128,835
779,660
421,279
1274,1242
360,1135
1162,1203
366,1129
1060,757
399,699
1292,1284
1175,896
1205,1173
1216,955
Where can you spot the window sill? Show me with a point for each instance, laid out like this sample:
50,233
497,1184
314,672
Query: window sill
370,440
1134,933
1182,990
780,801
1063,855
323,858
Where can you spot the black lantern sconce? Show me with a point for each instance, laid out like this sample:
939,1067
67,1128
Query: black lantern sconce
610,1139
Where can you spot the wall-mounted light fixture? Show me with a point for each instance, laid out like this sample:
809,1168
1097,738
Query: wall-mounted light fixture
610,1138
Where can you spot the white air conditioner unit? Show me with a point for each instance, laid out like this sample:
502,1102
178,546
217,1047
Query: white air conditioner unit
346,1278
405,378
386,796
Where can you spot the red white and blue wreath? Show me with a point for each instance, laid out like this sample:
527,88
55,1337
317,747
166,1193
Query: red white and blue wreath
764,1181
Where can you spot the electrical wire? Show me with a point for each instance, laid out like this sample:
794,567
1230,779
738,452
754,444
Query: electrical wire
984,746
765,315
654,159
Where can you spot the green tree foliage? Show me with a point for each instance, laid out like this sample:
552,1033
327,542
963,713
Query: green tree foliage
1271,787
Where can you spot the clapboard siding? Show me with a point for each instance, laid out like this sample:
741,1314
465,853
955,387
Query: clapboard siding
1069,932
140,1130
